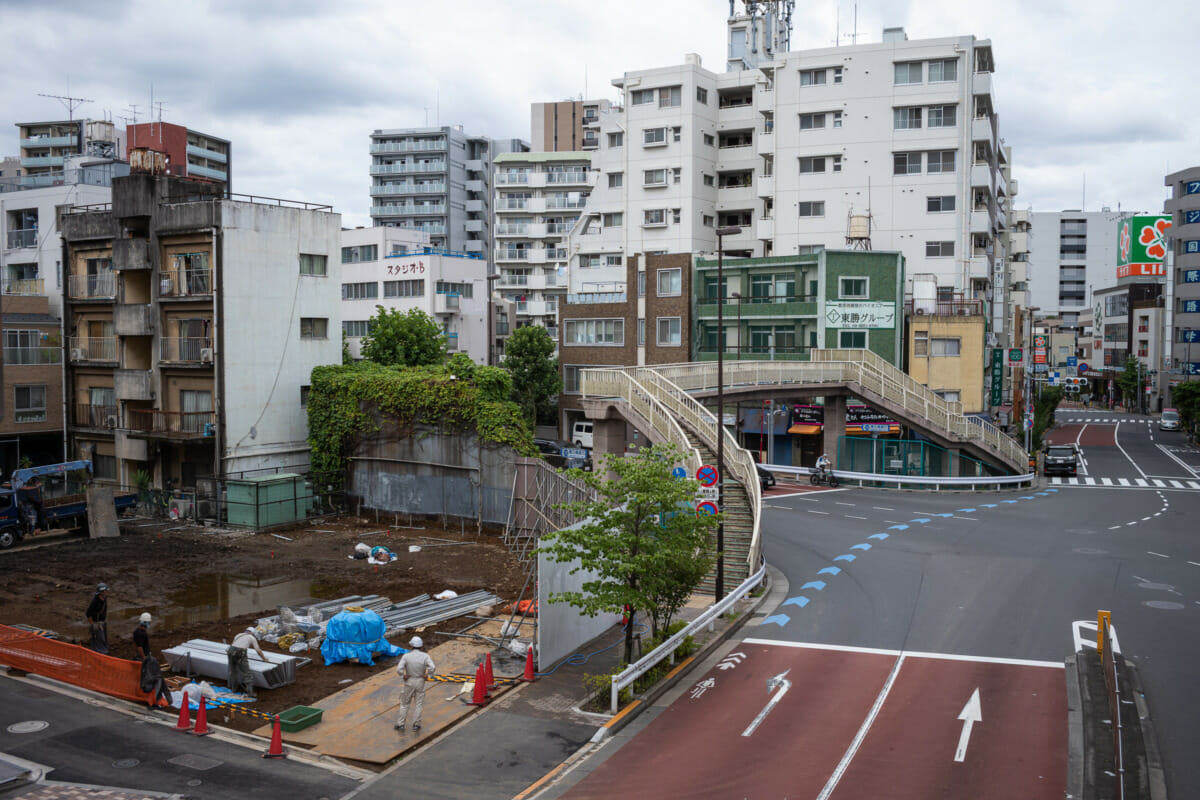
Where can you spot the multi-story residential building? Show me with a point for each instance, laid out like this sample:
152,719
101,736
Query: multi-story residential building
1129,320
537,203
1184,235
1072,254
192,154
45,146
437,180
192,322
397,270
31,420
568,125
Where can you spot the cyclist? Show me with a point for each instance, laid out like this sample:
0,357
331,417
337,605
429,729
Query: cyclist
823,465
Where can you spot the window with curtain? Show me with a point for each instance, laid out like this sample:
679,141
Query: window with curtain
196,405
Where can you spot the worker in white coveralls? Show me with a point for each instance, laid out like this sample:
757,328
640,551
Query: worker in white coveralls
415,666
241,678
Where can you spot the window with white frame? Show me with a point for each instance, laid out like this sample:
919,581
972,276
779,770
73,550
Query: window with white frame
853,288
355,255
670,332
312,264
710,140
810,122
670,96
949,395
605,332
616,139
942,116
906,118
809,249
404,288
943,70
314,328
654,136
356,327
701,95
614,219
706,220
29,403
641,283
939,203
616,180
837,74
676,133
709,180
811,164
908,72
945,347
941,161
612,260
836,163
921,343
837,119
588,260
812,77
939,249
676,173
641,332
906,163
811,208
654,177
670,282
641,97
360,291
676,215
852,339
652,217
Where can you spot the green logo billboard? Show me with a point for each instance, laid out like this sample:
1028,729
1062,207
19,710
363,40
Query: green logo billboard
1142,246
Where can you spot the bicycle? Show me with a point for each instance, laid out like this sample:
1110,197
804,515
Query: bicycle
824,477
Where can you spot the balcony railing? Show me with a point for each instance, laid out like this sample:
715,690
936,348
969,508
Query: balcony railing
512,229
185,282
409,188
511,178
510,204
27,356
188,350
86,287
947,308
566,177
26,237
564,202
400,169
93,348
28,287
178,423
408,147
95,416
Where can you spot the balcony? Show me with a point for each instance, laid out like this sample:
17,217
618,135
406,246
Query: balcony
406,209
37,142
476,186
180,283
42,161
981,222
473,246
86,415
473,206
512,254
982,83
475,165
22,238
512,178
25,287
511,229
130,449
133,384
85,349
421,146
567,177
134,320
407,169
948,308
408,188
766,143
765,228
512,204
981,129
737,117
207,172
446,303
171,424
32,356
565,202
130,254
192,350
766,186
981,175
204,152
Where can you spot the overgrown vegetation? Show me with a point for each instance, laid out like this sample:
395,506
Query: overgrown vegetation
600,686
1129,382
348,401
529,357
1186,399
1043,412
407,339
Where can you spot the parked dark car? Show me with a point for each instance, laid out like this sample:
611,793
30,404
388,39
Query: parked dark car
765,477
1061,459
551,450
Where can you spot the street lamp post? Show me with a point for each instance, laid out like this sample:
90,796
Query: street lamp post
729,230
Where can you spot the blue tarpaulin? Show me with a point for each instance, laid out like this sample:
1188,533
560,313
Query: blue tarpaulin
356,634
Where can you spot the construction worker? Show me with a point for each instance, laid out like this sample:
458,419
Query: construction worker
241,679
415,666
97,616
141,636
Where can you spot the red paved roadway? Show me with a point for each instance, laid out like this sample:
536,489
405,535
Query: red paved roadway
1089,435
696,748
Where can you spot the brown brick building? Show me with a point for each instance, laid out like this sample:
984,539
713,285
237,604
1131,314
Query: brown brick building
31,403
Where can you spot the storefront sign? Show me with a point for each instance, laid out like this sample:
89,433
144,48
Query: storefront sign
997,375
1142,246
844,314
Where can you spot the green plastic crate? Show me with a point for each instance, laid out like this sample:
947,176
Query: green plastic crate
298,718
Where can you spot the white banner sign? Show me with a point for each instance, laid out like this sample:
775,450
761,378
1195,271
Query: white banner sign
860,314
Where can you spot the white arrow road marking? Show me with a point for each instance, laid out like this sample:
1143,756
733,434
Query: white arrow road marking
784,684
969,715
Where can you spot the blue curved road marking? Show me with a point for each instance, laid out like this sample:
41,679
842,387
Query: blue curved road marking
818,585
1041,494
799,600
921,520
966,511
989,505
778,619
1008,501
1026,497
845,557
897,527
829,571
879,536
947,516
863,546
1052,490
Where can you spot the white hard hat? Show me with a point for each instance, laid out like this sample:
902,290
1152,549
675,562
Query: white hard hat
415,642
144,618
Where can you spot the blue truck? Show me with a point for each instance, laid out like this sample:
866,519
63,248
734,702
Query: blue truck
26,505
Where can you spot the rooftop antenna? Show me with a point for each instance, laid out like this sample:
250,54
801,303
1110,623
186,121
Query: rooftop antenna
71,103
132,110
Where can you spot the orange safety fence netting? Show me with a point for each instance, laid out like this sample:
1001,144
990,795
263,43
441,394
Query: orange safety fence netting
73,664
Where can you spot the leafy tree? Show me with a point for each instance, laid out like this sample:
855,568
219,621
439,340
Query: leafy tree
1127,382
347,356
528,355
640,538
409,339
1186,398
1043,412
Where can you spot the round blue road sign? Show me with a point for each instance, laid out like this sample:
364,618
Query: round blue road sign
706,507
707,475
679,472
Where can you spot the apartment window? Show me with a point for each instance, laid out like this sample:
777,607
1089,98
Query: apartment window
939,249
852,288
641,97
813,164
810,122
908,72
29,403
906,118
836,162
360,291
948,395
701,95
943,116
709,139
641,283
813,208
589,260
653,136
809,250
670,282
616,180
304,392
314,328
670,96
595,332
812,77
613,220
365,252
404,288
906,163
944,347
941,161
356,328
676,173
706,220
654,177
837,119
104,467
616,139
311,264
670,332
654,217
852,339
837,74
676,215
460,289
641,332
938,203
676,133
943,70
709,180
612,260
921,343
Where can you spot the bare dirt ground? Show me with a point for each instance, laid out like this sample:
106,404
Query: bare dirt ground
159,567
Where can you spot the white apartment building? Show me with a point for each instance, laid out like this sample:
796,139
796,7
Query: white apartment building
396,269
1072,255
538,200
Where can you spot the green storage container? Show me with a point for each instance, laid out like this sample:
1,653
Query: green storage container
267,500
297,718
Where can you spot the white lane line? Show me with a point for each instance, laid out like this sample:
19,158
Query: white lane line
1194,564
1117,441
1113,527
851,516
814,511
893,522
1017,662
832,783
1179,461
1127,524
881,508
1145,519
972,519
844,504
1160,555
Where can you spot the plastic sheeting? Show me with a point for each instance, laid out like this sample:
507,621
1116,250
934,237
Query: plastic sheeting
356,635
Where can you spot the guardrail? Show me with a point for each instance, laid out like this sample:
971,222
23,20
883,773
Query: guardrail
1108,661
667,648
911,481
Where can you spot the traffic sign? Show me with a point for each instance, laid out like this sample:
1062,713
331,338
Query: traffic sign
1039,341
573,453
707,475
1083,367
875,427
706,507
679,472
1028,424
1072,361
1015,355
708,493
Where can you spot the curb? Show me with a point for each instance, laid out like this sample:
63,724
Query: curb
1076,755
1154,769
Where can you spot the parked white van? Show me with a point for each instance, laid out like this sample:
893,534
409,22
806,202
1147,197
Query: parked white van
581,434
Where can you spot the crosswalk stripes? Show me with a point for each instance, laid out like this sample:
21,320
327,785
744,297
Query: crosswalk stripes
1101,420
1129,483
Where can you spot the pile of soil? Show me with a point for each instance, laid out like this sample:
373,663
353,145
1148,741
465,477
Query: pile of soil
156,566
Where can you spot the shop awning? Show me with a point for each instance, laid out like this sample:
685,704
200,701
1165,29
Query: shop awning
805,428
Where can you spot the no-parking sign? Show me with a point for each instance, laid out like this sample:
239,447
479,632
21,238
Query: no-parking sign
707,475
706,507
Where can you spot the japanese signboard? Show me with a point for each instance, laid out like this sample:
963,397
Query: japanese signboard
1142,246
862,314
997,376
1192,275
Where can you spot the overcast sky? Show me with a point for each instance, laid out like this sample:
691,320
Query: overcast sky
1087,90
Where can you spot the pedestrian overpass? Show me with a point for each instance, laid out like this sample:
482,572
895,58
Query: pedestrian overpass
666,404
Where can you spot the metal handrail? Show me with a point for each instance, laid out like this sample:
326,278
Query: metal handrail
949,482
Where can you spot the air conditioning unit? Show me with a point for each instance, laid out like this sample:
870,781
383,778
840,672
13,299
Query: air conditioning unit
206,355
164,286
920,312
78,353
110,421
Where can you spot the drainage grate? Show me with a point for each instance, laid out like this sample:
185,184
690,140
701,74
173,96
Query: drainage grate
126,763
193,761
29,726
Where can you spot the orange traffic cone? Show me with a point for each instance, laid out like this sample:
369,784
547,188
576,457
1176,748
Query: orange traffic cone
185,721
201,728
488,678
276,748
479,696
528,676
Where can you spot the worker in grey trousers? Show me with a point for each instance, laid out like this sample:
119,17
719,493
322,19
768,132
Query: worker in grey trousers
415,666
